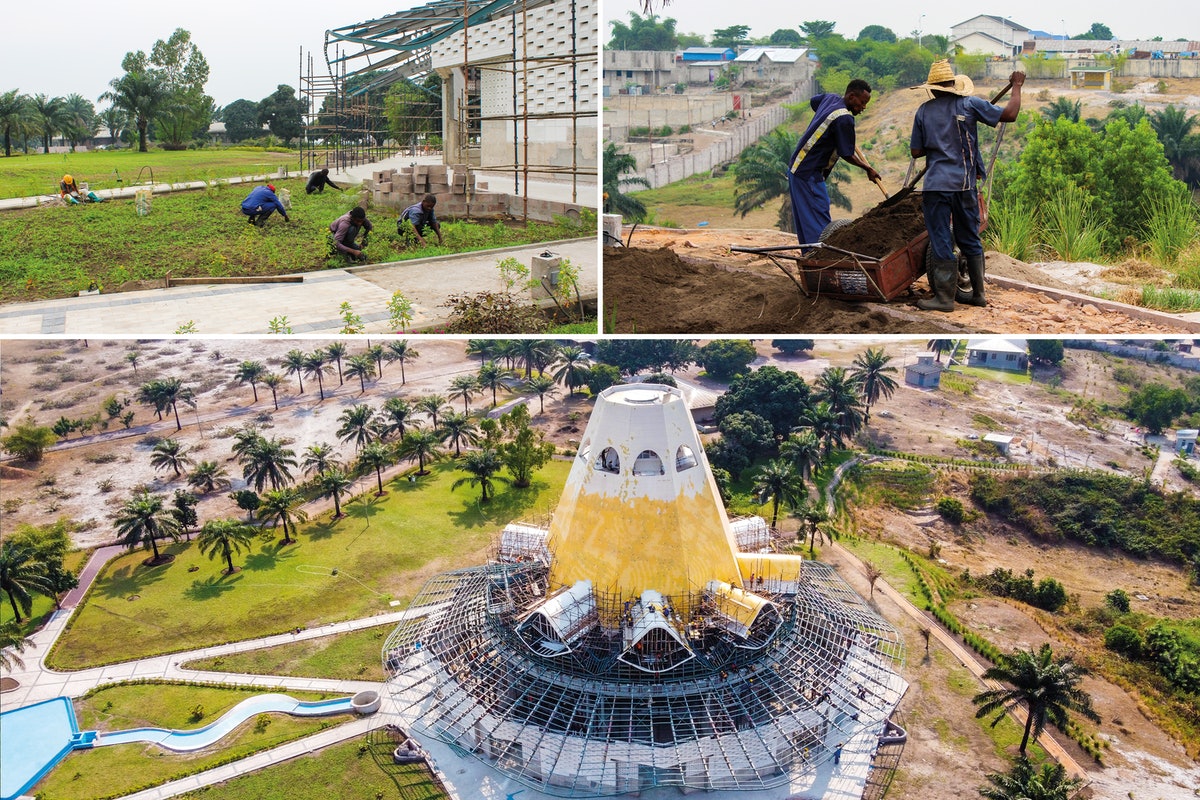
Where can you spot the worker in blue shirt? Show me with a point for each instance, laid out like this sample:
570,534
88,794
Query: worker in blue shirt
261,203
421,218
945,134
830,135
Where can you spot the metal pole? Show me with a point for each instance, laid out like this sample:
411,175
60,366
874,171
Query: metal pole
525,104
574,111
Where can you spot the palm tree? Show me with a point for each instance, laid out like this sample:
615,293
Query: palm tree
803,450
245,439
812,516
333,482
207,476
458,429
224,537
13,641
268,461
1174,128
140,95
21,574
869,372
377,354
172,391
272,380
421,446
534,354
491,376
132,357
318,458
835,387
616,164
484,348
396,413
777,481
51,115
543,385
293,364
336,352
463,386
115,120
251,372
316,365
482,466
939,346
823,423
282,506
400,350
361,367
432,404
1062,107
1026,782
13,106
143,520
79,119
761,175
170,453
1048,687
573,369
376,456
357,425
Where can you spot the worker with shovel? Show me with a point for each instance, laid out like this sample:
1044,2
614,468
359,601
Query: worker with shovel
945,134
830,135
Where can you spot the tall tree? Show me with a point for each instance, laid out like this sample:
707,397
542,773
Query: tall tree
337,351
272,380
397,413
1048,687
241,120
481,467
572,367
420,446
13,641
1098,31
457,430
139,94
870,373
778,482
358,425
51,115
432,404
143,520
1024,781
182,71
526,450
542,385
268,461
170,453
491,376
224,537
400,350
293,364
816,30
733,36
643,33
319,458
316,364
463,386
115,121
79,119
21,574
361,367
334,483
939,346
837,389
250,372
376,456
283,113
13,108
803,450
282,507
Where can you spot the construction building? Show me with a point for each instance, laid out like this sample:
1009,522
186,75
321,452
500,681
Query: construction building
642,640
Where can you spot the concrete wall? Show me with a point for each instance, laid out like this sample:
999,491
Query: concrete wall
676,168
654,111
399,189
1132,68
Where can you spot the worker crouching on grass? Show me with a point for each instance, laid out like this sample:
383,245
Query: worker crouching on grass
945,134
419,219
318,181
261,203
344,232
830,135
69,190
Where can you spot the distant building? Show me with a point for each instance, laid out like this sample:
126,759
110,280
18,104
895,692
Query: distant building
1001,441
1006,354
925,374
707,54
789,65
1185,442
1096,78
645,69
989,34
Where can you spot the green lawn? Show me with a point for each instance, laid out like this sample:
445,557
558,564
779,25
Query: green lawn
383,550
360,768
888,559
38,173
346,656
42,605
1003,376
57,251
120,769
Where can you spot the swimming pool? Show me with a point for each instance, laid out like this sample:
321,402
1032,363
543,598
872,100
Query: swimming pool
185,741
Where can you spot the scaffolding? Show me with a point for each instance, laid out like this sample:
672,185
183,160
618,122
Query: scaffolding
400,48
338,128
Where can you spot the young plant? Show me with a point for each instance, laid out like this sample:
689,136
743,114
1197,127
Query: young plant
351,323
400,311
280,325
513,274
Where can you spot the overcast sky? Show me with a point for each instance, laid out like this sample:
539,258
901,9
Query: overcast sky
1128,20
251,47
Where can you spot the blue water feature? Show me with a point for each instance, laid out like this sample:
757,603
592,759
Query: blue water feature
36,737
184,741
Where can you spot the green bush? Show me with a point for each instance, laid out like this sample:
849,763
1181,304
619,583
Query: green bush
1124,640
1117,600
951,510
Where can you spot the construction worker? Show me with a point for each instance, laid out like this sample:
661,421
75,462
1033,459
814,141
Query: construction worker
421,219
945,134
68,190
830,135
318,181
344,233
261,203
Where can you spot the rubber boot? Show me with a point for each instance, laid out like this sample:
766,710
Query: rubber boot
975,268
95,198
943,279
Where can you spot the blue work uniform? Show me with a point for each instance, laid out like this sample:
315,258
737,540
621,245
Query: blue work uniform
945,128
830,135
261,203
419,217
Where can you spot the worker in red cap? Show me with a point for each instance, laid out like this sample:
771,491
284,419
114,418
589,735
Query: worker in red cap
261,203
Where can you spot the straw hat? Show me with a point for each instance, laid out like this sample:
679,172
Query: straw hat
940,72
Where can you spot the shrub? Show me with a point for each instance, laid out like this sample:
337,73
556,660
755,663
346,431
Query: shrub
1124,640
1117,600
951,510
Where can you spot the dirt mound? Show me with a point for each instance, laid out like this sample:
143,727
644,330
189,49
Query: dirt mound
14,473
657,291
882,230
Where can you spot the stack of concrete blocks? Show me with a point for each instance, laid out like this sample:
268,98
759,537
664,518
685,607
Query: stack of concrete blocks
402,187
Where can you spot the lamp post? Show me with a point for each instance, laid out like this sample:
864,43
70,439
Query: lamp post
919,21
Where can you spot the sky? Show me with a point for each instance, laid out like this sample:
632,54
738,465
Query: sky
251,47
1128,20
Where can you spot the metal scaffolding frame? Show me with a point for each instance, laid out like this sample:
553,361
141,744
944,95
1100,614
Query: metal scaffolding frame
400,47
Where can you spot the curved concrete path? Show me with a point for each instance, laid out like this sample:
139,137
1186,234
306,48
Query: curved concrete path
965,655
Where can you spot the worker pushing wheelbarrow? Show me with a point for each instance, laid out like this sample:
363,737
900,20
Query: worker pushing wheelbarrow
880,255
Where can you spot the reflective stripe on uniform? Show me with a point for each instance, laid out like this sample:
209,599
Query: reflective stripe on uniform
817,134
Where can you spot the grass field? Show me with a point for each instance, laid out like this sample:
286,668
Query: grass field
42,605
360,768
119,769
347,656
383,550
57,251
38,173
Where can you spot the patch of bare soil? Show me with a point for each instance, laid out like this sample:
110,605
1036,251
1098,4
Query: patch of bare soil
691,282
884,229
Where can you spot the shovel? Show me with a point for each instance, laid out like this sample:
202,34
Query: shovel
878,182
908,187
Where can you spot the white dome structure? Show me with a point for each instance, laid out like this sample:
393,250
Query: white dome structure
642,640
